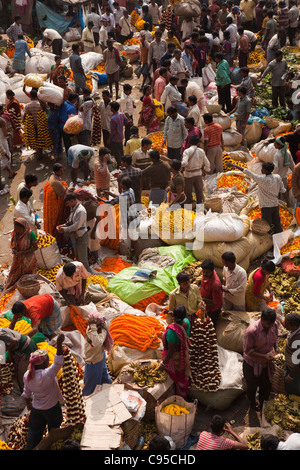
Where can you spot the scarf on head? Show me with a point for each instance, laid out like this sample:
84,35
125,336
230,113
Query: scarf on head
284,151
84,192
37,358
101,321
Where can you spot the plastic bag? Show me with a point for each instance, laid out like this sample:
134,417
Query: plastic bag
73,125
208,75
35,80
50,93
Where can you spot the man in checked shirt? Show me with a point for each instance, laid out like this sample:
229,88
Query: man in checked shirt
269,188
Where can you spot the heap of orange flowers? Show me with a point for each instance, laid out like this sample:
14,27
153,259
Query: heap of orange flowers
5,298
132,42
136,332
157,141
114,264
285,216
100,68
292,245
228,181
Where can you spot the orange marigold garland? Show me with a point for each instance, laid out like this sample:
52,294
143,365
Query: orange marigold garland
158,298
136,332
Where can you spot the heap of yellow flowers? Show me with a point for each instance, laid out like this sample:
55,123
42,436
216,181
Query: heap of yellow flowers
97,279
45,240
174,409
254,58
292,245
176,221
4,446
50,274
228,181
22,326
227,159
285,216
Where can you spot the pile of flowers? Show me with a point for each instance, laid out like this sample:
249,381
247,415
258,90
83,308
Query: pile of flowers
254,58
100,68
5,298
132,42
176,221
50,274
227,159
285,216
292,245
228,181
114,264
157,141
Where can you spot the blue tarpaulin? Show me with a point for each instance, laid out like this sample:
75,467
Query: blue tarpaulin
52,20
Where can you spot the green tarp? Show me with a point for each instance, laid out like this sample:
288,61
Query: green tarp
165,280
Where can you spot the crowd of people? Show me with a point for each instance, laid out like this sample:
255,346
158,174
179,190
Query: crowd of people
174,54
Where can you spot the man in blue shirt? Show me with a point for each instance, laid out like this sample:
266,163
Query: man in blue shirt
67,109
21,49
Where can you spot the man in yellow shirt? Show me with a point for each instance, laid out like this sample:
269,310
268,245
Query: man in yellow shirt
172,38
248,8
186,294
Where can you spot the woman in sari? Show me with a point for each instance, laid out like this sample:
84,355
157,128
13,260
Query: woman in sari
148,116
176,350
24,246
54,209
258,284
19,347
57,70
14,109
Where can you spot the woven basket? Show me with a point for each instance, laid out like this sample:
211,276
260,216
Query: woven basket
278,380
213,108
28,286
128,71
260,226
213,203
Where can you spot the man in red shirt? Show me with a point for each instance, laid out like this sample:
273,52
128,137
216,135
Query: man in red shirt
260,349
213,143
213,440
192,130
211,290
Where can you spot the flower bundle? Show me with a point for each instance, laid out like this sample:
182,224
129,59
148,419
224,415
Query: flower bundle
96,279
45,240
50,274
100,68
285,216
292,245
227,159
22,326
17,436
114,264
5,298
132,42
79,322
204,359
157,141
176,221
254,58
136,332
228,181
158,299
71,390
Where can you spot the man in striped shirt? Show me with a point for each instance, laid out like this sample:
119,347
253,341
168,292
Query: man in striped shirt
214,441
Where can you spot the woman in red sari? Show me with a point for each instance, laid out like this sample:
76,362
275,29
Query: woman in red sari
14,109
148,116
176,350
24,246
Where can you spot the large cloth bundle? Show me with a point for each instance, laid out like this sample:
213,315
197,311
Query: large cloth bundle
187,9
214,250
215,227
50,93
